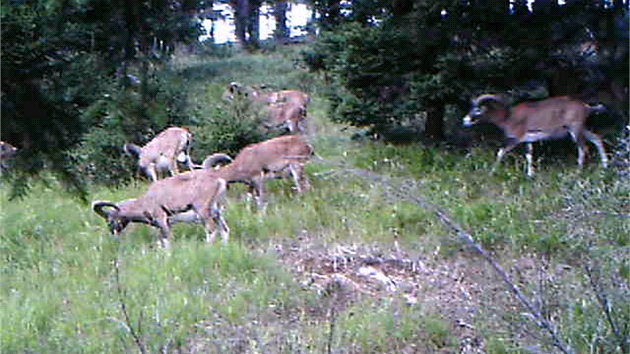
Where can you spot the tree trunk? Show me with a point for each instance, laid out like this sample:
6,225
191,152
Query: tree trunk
281,34
434,127
312,23
254,23
144,88
247,22
500,6
330,12
520,8
132,24
241,16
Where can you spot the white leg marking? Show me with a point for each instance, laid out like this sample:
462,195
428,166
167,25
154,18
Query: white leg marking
580,159
296,178
600,147
529,155
498,160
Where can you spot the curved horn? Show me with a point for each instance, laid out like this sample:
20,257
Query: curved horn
488,97
133,149
216,159
98,206
234,86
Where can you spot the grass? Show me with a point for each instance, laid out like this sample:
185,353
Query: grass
64,277
66,295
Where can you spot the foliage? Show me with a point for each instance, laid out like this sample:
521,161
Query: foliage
47,49
211,49
168,99
228,127
39,114
354,55
431,55
607,275
181,94
131,31
78,294
60,291
116,118
99,157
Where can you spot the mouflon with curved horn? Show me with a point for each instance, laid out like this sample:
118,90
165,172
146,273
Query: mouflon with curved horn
527,122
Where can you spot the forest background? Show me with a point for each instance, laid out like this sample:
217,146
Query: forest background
404,69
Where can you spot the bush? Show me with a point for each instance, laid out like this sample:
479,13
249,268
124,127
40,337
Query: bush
227,128
117,116
100,158
167,99
374,87
114,119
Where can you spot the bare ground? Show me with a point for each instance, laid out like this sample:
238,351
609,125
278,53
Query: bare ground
462,290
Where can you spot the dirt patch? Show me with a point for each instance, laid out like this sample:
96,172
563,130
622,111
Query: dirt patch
461,289
448,287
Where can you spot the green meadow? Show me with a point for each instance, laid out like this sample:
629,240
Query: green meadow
290,279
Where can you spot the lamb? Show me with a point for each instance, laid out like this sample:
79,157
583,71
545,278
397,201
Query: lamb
163,152
270,159
288,115
256,95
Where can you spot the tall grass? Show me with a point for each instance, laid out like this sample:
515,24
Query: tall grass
61,291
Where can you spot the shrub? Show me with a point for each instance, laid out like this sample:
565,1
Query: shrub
227,128
168,99
117,116
99,157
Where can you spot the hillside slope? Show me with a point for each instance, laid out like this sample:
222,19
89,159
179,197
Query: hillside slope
361,263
